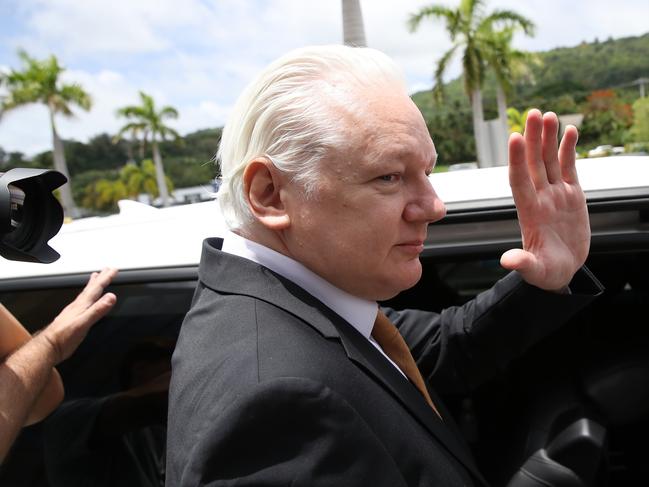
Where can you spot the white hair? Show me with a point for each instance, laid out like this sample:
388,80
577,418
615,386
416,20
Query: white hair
294,114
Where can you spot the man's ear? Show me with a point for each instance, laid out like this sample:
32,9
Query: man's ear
262,185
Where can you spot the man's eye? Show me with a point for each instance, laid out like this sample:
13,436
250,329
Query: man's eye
390,178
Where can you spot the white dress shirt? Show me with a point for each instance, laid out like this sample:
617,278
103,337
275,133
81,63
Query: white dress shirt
358,312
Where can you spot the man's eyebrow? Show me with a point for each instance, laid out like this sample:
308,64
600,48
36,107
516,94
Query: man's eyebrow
404,153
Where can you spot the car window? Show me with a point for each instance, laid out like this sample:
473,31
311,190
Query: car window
111,427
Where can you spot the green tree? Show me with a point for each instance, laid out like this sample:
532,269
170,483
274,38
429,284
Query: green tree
640,129
134,179
39,82
146,120
472,31
516,120
98,153
606,119
104,194
142,178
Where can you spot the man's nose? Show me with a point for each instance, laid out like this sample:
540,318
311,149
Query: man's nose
425,207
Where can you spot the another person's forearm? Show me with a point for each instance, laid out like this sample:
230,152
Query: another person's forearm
24,373
23,377
12,336
47,401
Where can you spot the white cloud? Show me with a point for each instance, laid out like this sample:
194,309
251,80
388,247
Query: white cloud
94,27
201,116
27,128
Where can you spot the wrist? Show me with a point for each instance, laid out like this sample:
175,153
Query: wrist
48,344
564,290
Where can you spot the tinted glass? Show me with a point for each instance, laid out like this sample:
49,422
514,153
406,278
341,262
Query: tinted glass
110,429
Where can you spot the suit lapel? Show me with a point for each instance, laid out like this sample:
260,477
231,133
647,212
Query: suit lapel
365,355
247,278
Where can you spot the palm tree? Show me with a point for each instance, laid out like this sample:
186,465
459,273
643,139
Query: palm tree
516,120
508,64
39,82
104,194
472,31
134,180
142,178
131,141
145,119
353,29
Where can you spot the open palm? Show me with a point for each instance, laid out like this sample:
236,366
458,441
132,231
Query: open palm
551,205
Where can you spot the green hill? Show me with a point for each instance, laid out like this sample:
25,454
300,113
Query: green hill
561,83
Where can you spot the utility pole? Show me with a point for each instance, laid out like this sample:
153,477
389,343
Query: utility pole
640,82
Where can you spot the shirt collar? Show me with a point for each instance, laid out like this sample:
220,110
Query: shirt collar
360,313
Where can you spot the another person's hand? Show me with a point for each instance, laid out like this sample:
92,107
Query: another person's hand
551,205
70,327
31,387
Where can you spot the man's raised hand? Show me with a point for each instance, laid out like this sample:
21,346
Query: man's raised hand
551,205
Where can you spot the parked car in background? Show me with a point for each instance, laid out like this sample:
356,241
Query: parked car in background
605,150
461,166
576,404
601,150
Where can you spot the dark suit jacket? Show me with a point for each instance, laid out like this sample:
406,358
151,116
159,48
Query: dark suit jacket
272,388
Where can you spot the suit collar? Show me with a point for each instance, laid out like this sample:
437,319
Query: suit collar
360,313
247,278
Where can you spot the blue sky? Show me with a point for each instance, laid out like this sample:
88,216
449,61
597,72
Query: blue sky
197,55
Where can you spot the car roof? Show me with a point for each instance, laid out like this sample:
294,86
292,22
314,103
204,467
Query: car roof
139,237
614,174
143,237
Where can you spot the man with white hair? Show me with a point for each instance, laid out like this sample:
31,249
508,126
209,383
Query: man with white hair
286,371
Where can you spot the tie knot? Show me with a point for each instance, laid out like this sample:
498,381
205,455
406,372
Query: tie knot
384,330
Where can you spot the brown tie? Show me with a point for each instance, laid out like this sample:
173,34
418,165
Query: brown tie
394,346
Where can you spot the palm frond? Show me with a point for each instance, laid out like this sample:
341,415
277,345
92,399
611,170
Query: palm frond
168,112
438,90
74,93
431,11
507,19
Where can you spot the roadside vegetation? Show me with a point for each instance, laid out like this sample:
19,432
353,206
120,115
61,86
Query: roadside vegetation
600,80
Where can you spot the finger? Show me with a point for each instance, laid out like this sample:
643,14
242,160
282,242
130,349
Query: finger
91,280
96,285
533,148
567,155
549,147
519,177
106,276
518,260
97,311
